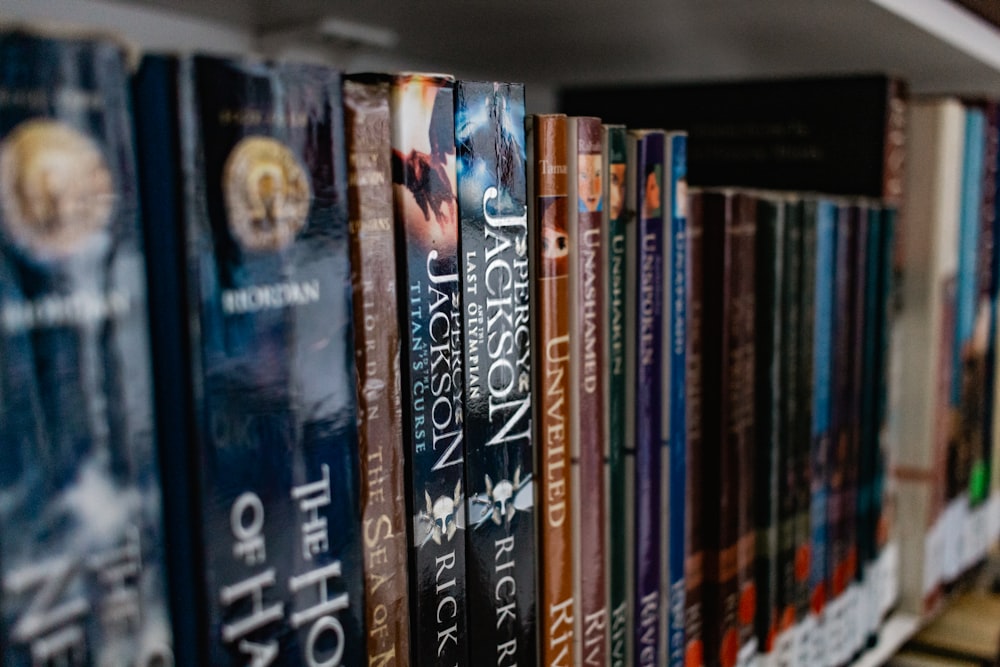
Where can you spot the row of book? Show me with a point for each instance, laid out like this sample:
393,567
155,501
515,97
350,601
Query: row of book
947,459
934,159
284,354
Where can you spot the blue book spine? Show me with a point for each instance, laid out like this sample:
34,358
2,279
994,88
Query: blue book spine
826,219
676,328
648,364
264,451
971,207
964,449
81,536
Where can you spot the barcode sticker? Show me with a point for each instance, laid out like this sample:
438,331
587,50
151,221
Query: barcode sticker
748,656
785,648
818,641
978,533
888,579
836,630
953,526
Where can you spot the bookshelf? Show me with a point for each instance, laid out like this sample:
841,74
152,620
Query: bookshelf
934,44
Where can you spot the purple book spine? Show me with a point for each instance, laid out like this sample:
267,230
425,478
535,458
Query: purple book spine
649,359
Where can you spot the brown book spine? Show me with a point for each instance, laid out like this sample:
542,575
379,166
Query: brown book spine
740,306
555,498
727,264
376,338
696,523
587,277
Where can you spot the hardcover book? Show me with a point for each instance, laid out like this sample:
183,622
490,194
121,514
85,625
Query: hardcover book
82,576
616,213
785,134
493,251
245,194
649,147
586,275
427,231
548,189
376,359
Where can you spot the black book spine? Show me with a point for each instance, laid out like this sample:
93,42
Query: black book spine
500,542
769,375
426,221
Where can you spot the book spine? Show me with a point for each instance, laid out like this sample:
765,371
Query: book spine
885,591
675,332
740,418
840,425
556,495
860,216
500,542
268,278
426,212
791,499
631,386
695,502
727,329
804,213
963,442
81,546
868,404
616,211
820,458
587,392
771,371
376,358
980,486
648,363
155,91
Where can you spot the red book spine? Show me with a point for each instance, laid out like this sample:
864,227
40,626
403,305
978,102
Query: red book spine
587,277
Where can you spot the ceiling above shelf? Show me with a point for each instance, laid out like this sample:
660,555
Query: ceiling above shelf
935,44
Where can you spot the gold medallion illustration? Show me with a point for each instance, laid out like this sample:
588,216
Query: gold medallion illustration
55,188
267,194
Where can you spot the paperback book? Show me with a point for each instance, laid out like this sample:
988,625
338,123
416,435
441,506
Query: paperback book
245,195
427,233
496,298
82,551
